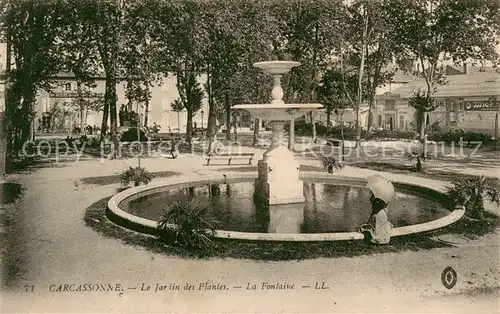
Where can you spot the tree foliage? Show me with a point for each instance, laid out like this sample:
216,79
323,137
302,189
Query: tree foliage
31,27
210,46
140,54
334,90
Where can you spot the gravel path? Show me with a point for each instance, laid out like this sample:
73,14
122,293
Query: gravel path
49,245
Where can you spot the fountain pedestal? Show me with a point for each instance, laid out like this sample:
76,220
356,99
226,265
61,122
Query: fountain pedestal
278,181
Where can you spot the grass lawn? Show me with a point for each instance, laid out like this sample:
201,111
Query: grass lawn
105,180
404,169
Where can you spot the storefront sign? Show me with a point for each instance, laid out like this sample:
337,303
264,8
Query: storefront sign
74,95
480,105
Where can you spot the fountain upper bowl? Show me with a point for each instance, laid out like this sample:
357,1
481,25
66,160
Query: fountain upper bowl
278,112
276,67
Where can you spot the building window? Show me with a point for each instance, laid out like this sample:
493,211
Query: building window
67,87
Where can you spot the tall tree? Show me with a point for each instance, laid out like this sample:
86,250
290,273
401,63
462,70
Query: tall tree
79,55
140,55
309,34
32,28
178,29
238,34
334,89
104,18
178,106
369,40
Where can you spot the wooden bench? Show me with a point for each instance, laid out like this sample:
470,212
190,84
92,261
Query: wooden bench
230,157
333,142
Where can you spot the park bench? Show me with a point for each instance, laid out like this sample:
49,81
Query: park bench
333,142
230,157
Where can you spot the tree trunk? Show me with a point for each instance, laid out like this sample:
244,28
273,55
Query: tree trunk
422,134
189,123
360,81
256,127
328,118
3,147
227,105
342,137
110,103
6,137
212,113
86,116
423,122
146,112
104,124
211,121
314,81
113,118
370,115
80,105
27,107
235,126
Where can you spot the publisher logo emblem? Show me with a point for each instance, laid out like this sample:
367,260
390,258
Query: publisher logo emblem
449,277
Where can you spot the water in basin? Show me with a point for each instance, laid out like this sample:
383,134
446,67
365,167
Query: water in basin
328,208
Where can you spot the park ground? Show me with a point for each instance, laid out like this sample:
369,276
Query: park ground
47,243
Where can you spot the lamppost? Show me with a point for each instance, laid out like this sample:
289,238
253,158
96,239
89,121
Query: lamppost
202,113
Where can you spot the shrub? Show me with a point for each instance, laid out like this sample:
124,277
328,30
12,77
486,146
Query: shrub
136,175
193,224
131,135
94,142
329,163
471,194
455,136
381,134
419,157
302,128
476,137
321,129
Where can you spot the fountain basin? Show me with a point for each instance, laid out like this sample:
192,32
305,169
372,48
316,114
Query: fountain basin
278,112
148,226
276,67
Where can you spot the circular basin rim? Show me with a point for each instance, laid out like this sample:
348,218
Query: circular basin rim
113,207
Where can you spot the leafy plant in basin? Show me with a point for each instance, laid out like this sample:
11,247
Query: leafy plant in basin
135,175
471,193
192,223
419,157
330,163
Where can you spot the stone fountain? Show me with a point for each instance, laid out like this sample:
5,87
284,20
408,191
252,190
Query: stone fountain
278,180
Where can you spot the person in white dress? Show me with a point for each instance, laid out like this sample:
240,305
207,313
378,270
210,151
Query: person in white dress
378,229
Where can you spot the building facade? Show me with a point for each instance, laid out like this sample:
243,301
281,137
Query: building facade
61,103
468,101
